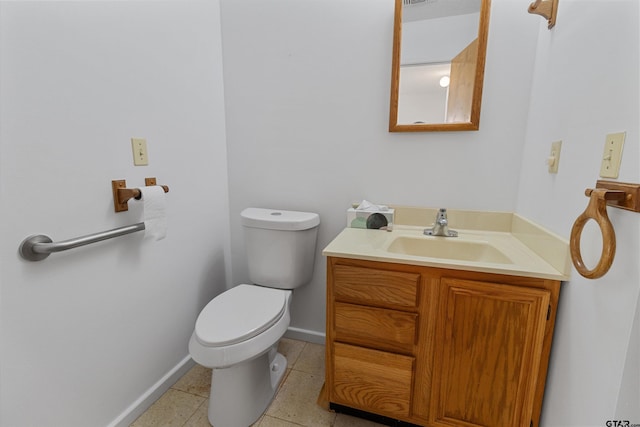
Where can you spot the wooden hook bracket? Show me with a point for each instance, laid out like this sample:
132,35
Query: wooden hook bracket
548,9
621,195
122,194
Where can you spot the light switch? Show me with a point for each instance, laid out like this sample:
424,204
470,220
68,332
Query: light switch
139,147
612,155
554,157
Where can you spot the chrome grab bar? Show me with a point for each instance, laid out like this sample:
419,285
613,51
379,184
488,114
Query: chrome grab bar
39,246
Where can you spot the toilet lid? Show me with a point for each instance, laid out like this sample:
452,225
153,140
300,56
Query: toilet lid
238,314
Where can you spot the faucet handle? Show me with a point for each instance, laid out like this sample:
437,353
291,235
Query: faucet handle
441,226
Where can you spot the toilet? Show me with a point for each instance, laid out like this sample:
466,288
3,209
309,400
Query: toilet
237,332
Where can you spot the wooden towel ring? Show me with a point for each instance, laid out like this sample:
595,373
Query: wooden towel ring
596,210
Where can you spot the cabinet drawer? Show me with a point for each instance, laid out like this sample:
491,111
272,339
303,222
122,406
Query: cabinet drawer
375,327
376,287
372,380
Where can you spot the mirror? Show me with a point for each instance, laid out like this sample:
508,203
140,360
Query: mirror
433,39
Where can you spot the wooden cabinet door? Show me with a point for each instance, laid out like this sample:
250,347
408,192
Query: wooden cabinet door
462,83
490,339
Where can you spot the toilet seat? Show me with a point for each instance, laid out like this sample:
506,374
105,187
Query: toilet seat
239,314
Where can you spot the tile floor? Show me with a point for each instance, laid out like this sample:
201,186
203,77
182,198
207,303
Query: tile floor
185,403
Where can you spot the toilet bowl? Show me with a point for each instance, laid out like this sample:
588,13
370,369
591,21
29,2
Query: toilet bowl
237,336
237,333
239,324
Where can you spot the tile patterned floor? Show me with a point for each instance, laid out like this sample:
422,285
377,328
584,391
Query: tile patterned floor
185,403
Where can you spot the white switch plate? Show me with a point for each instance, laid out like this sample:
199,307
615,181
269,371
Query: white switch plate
139,147
554,157
612,155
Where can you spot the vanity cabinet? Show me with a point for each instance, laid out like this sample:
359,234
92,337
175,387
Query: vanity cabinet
438,347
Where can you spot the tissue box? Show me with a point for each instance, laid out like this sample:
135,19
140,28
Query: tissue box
359,218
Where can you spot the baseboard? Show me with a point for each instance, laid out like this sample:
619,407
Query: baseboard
152,394
379,419
159,388
305,335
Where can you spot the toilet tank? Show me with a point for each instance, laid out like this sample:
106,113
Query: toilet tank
280,246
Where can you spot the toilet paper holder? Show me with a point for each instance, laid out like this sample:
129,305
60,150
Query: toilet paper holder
607,193
122,194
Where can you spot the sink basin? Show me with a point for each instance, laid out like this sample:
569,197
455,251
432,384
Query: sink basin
448,248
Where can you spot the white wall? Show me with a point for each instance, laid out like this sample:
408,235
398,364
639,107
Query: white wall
86,333
307,115
437,40
306,126
585,86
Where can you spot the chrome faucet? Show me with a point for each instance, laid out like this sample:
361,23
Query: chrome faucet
441,226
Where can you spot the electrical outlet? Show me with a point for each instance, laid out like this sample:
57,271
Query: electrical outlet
612,155
139,147
554,157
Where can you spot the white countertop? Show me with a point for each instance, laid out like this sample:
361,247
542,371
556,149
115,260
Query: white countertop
533,251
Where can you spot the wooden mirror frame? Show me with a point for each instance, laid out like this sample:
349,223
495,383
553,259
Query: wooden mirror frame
476,101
